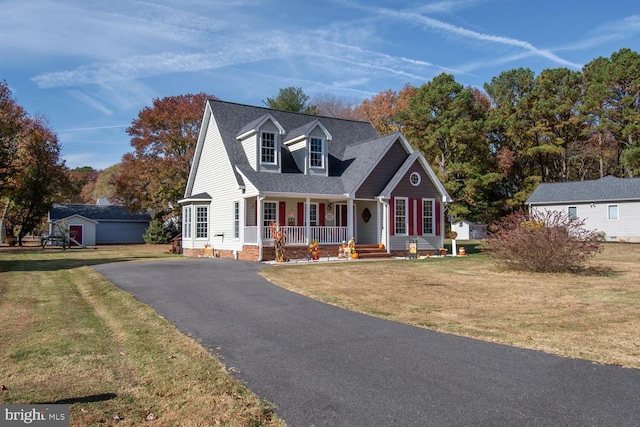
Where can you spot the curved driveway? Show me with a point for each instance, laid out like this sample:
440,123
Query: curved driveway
324,366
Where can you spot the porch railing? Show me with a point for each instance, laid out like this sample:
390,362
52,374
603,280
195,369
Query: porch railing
297,235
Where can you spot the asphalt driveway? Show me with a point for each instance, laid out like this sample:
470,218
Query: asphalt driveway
324,366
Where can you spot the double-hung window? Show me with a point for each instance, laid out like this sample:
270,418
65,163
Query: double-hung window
313,214
186,222
268,148
400,216
270,214
202,222
612,213
573,212
316,153
428,219
236,220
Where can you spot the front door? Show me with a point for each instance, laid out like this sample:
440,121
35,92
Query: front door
75,233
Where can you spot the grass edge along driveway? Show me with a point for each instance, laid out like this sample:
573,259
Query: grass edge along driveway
69,336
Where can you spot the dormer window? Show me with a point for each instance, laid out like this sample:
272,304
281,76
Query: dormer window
316,153
268,148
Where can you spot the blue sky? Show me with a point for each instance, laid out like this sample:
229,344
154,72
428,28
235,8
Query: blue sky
91,66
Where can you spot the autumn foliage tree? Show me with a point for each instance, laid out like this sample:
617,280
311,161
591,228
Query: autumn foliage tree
12,120
383,108
163,137
41,177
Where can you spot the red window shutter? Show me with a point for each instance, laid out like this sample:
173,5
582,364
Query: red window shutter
392,218
419,214
437,214
410,215
282,214
300,213
321,213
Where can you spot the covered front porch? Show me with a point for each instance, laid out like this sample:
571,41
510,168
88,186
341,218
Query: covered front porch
297,235
302,220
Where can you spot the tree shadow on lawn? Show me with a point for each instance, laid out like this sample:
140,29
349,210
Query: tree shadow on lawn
82,399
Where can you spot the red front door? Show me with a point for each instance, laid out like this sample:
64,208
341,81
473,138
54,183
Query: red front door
75,233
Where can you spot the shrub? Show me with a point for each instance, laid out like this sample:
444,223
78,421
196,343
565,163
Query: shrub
546,241
156,234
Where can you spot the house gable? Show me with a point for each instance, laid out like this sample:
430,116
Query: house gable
383,172
401,184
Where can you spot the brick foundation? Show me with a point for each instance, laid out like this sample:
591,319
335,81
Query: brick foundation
250,253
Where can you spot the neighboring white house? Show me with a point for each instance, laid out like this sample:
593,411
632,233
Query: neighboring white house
316,178
468,230
610,205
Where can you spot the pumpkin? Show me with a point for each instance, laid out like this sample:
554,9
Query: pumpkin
355,255
381,246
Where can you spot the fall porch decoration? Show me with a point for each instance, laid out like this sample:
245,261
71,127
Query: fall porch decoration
278,241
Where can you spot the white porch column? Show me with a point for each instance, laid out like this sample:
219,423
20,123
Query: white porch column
379,221
307,218
259,225
350,227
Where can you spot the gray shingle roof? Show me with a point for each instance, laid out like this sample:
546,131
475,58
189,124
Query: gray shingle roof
348,158
608,188
95,212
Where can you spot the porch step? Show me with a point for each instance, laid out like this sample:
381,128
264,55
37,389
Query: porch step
371,251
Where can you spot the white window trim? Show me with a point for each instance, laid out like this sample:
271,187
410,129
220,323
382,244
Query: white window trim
236,220
275,148
264,210
187,222
617,212
322,150
195,222
406,216
416,174
433,217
